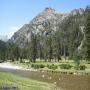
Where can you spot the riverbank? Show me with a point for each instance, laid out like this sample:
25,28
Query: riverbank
30,67
8,80
64,81
10,66
54,67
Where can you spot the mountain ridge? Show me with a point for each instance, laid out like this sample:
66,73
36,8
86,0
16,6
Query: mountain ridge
47,20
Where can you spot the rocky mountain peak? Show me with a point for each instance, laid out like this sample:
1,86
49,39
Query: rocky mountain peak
48,9
44,23
48,12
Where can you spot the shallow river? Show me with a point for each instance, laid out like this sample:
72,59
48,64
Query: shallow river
67,82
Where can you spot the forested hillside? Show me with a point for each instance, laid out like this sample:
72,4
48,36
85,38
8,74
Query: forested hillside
51,36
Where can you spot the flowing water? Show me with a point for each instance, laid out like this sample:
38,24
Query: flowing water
67,82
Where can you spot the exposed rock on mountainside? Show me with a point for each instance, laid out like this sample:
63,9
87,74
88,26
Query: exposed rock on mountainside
50,21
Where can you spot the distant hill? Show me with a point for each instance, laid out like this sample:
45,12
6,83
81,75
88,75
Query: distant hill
4,38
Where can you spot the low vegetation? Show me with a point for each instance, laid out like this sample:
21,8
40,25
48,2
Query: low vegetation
37,66
21,83
62,66
52,66
65,66
80,67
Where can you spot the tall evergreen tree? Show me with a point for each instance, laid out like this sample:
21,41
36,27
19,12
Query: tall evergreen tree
87,33
3,50
33,47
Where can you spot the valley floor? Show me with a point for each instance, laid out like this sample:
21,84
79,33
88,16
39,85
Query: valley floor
9,80
42,79
28,66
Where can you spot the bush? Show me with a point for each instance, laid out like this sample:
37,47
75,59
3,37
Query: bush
80,67
65,66
52,66
37,66
76,67
89,62
42,66
32,65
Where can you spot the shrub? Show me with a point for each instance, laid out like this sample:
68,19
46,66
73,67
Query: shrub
80,67
76,67
52,66
37,66
48,66
89,62
32,65
65,66
42,66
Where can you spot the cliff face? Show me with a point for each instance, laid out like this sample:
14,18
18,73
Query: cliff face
50,21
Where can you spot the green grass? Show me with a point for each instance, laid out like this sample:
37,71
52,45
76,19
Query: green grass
71,62
10,80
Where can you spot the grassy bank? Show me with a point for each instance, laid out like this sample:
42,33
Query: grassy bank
57,66
10,80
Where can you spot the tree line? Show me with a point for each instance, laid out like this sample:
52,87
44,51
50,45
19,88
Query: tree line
52,45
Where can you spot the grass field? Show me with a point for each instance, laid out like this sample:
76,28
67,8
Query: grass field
10,80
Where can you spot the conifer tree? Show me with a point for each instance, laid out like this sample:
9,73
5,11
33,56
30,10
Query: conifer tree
87,32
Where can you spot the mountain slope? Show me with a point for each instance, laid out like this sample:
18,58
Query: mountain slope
40,24
53,32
